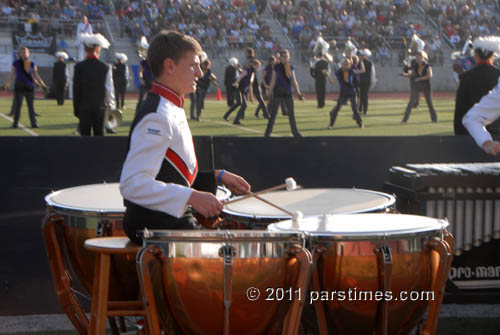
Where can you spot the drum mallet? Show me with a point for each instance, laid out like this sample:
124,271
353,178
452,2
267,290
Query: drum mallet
289,184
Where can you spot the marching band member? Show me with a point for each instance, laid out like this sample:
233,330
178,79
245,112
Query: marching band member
421,71
230,75
202,86
477,82
120,79
160,182
93,89
367,80
486,111
257,92
281,90
244,85
345,76
26,73
83,27
144,73
60,76
320,68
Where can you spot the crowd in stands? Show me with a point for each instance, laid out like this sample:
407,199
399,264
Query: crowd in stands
365,22
218,25
461,20
52,16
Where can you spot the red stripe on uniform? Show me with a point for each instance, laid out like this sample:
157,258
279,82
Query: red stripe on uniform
168,94
178,163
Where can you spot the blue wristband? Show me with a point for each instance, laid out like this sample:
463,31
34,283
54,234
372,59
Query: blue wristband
219,177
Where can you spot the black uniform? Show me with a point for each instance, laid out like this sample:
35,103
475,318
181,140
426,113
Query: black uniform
120,80
365,81
420,86
258,95
202,85
60,77
89,95
474,84
406,69
147,78
230,75
320,80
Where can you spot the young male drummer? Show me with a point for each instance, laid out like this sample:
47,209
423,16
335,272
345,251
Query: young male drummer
160,178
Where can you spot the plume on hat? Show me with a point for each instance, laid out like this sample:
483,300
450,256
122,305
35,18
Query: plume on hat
121,56
143,43
365,52
61,54
233,61
94,39
487,44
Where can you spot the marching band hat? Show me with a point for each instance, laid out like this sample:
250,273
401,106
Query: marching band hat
143,43
121,56
61,54
365,52
203,56
233,61
487,44
94,39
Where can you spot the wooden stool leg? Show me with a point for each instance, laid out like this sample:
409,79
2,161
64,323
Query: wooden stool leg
100,292
61,277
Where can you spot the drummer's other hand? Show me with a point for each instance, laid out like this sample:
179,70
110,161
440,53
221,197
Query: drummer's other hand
205,203
235,183
492,147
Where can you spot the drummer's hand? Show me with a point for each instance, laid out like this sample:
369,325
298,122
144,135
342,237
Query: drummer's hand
235,183
491,147
205,203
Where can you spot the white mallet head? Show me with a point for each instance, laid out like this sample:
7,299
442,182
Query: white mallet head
297,218
290,184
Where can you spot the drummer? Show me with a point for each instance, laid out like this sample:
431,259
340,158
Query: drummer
160,182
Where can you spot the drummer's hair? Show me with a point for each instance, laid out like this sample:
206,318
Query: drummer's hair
169,44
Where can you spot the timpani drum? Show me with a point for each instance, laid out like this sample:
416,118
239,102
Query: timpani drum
209,280
252,213
365,263
91,211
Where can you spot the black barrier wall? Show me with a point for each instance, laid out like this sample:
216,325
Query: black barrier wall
33,167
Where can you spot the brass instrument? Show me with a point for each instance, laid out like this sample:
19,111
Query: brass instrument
112,118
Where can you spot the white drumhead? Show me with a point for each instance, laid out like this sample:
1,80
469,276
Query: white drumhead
361,225
92,198
313,201
99,198
222,193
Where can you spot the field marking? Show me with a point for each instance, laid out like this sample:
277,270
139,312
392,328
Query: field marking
408,123
29,131
237,126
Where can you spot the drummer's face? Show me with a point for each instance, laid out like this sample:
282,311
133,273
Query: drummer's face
186,70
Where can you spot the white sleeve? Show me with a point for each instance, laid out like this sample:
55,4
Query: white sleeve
110,89
149,142
482,114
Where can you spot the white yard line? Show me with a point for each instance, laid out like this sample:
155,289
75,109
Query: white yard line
20,125
237,126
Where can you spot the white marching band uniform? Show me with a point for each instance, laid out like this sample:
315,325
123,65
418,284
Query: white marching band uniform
486,111
161,137
82,28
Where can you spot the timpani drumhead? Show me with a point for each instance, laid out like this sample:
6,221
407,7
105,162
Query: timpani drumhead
363,226
98,200
313,201
88,200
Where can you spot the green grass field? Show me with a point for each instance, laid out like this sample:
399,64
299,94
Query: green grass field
383,119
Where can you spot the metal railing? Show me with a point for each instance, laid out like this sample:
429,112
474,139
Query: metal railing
291,46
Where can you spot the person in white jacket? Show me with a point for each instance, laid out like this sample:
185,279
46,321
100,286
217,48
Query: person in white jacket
486,111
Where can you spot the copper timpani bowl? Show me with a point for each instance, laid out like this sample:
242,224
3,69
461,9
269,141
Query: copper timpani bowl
195,276
350,267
